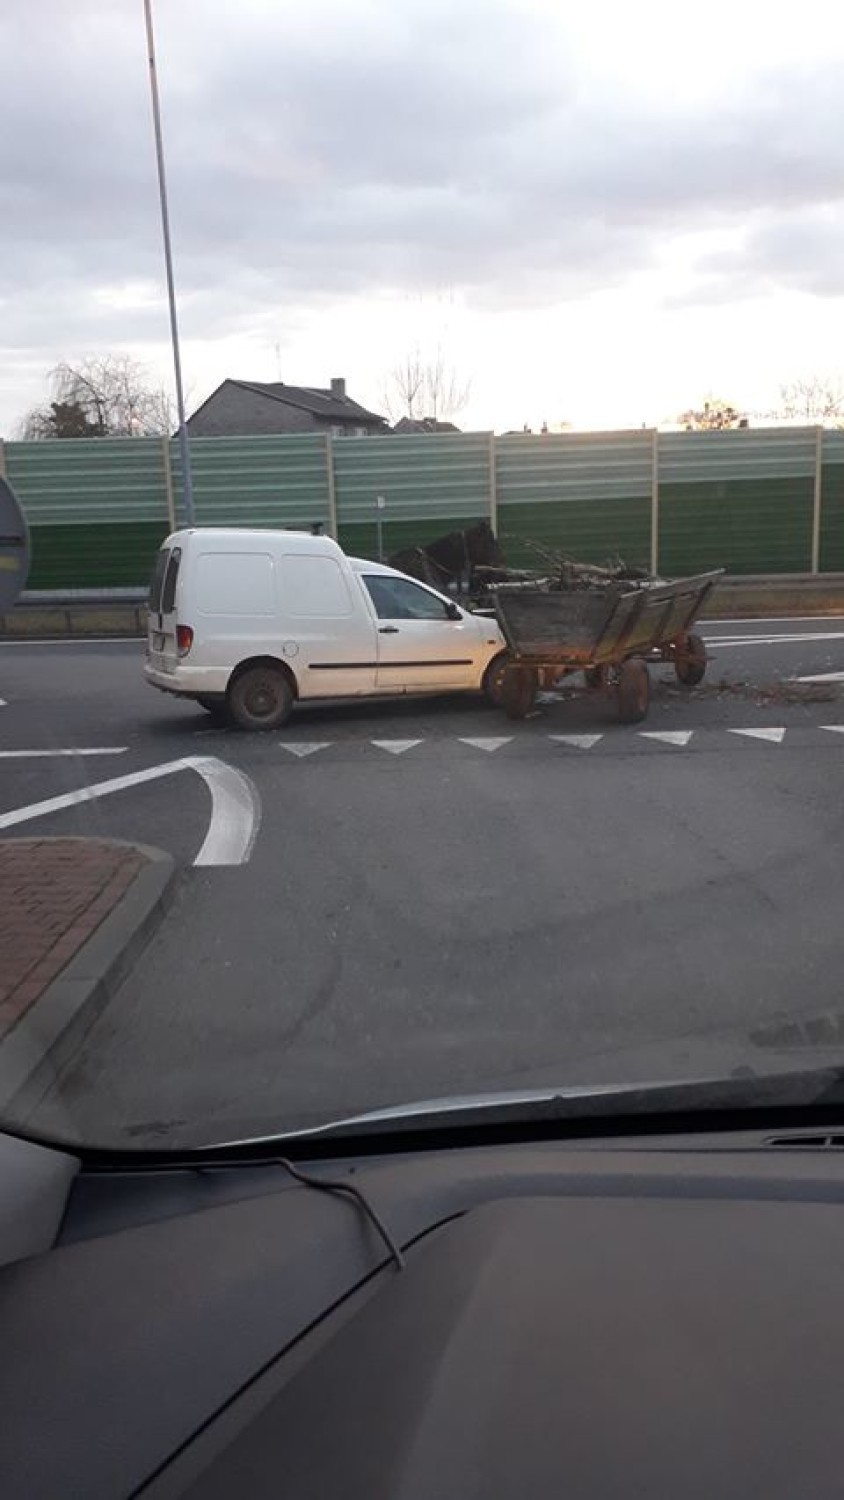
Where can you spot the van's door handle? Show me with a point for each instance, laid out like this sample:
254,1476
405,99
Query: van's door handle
388,629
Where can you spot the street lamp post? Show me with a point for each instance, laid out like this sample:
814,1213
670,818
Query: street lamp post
184,445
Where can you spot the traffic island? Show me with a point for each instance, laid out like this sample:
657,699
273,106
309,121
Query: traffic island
75,914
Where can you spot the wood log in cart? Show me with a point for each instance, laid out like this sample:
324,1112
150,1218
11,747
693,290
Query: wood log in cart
608,630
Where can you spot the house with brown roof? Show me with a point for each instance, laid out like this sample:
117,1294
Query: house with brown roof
239,408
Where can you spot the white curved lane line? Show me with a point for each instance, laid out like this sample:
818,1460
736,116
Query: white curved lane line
235,805
235,812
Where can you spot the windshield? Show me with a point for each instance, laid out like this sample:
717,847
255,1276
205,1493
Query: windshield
538,307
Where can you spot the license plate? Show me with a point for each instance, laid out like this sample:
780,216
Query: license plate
157,640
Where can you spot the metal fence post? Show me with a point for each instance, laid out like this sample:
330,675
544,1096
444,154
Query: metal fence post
331,486
493,485
816,501
655,502
168,482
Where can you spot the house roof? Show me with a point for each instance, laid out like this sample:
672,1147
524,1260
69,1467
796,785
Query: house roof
424,424
323,403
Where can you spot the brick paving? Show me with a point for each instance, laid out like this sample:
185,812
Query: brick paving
54,893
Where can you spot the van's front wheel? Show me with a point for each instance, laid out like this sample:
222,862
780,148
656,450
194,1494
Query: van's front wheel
260,698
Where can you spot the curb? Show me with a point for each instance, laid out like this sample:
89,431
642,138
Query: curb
37,1050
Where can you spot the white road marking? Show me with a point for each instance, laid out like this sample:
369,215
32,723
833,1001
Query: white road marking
396,747
579,741
235,813
769,620
774,640
833,728
235,805
822,677
775,736
668,736
3,703
81,750
305,747
484,743
87,793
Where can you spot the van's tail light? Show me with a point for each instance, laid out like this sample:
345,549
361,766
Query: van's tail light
184,639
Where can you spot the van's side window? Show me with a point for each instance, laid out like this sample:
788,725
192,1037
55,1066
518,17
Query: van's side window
398,599
168,593
157,582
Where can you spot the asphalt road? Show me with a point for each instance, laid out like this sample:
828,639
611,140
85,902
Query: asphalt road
435,901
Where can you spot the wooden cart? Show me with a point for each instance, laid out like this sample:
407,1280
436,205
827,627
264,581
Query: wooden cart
610,634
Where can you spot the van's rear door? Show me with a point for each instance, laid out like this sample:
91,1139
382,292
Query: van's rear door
162,648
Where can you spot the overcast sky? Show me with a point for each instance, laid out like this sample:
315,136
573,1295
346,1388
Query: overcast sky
604,211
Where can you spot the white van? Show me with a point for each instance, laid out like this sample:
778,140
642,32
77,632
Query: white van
246,622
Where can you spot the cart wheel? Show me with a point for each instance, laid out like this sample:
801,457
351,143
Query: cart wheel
594,677
493,683
634,691
690,662
518,691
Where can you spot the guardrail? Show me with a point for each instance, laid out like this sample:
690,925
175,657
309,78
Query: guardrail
121,613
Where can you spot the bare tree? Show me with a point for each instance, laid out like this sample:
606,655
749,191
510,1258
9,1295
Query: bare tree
815,398
102,395
425,384
713,416
445,391
405,385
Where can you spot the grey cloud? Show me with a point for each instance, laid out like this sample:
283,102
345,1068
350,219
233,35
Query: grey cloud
405,145
799,250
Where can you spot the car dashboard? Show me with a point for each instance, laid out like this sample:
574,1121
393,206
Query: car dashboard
650,1316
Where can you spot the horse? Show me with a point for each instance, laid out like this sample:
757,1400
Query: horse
453,558
416,563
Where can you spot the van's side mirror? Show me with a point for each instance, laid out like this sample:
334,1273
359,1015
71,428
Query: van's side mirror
453,612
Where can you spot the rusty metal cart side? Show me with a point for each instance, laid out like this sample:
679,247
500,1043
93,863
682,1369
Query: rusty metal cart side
610,634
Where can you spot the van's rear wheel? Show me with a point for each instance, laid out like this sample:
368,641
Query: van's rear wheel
260,698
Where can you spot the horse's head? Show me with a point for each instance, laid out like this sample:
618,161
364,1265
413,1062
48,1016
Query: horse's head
483,546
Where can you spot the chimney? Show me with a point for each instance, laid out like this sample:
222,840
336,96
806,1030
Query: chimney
338,386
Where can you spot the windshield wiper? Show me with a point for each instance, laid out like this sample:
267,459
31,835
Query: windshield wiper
628,1108
738,1102
806,1088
